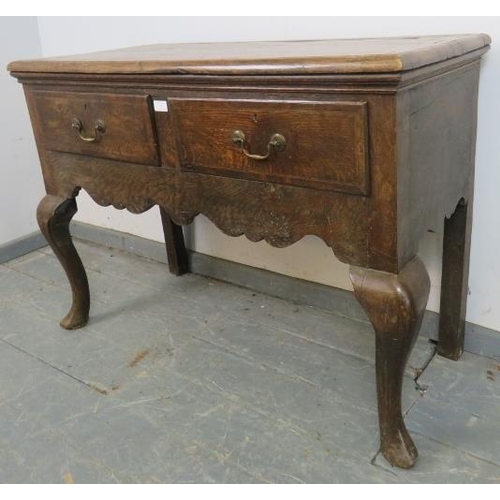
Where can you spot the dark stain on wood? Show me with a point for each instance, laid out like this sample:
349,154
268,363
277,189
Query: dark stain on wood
139,357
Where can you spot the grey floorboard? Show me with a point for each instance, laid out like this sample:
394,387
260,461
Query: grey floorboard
439,463
185,380
461,405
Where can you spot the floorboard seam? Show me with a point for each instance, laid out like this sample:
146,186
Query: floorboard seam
453,447
316,342
413,403
33,356
238,399
428,361
422,388
37,278
125,279
253,362
229,395
59,284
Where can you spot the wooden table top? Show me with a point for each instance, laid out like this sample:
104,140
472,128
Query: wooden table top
369,55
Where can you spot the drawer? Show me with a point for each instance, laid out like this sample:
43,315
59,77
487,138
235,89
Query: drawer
114,126
323,145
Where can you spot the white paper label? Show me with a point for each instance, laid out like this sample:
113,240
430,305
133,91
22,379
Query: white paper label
160,106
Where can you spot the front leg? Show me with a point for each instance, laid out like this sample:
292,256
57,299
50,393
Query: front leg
395,304
54,215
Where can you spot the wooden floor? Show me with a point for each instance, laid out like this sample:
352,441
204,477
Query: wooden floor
193,380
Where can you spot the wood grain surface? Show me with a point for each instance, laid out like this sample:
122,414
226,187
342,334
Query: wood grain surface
280,215
326,142
369,55
129,133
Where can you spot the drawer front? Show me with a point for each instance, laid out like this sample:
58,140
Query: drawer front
115,126
323,145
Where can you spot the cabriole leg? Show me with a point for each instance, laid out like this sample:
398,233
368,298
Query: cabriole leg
54,215
395,304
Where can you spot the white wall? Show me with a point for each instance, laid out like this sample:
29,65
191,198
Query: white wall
310,258
21,186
